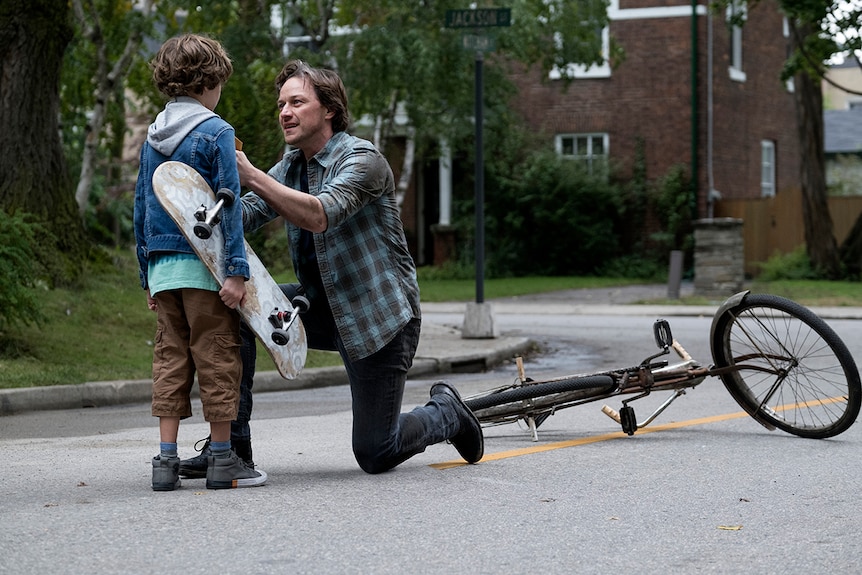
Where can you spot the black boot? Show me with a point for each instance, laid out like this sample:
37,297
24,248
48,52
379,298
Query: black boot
196,467
242,447
469,440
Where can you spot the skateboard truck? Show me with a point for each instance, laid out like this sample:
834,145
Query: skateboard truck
207,218
282,320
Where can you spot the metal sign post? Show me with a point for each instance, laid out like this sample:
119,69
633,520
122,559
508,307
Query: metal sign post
478,321
479,191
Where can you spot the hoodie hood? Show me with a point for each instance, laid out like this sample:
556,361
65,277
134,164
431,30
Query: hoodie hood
180,116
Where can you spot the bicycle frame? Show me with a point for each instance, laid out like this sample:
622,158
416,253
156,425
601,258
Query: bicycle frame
640,381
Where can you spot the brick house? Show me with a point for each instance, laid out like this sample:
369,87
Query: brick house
697,90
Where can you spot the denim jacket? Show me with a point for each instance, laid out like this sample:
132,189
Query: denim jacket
209,148
367,271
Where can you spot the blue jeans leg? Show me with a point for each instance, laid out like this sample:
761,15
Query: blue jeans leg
383,437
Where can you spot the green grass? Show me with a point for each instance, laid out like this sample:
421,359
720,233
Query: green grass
815,292
103,330
437,290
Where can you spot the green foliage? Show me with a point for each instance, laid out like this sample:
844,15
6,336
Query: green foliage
450,270
557,33
544,215
271,246
794,265
655,217
19,303
845,176
634,266
548,215
819,30
672,205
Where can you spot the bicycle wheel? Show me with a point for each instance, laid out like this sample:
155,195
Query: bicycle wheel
794,372
544,394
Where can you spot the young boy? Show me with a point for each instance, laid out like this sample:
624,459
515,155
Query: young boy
197,325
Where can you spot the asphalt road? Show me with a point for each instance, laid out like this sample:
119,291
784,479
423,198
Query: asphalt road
705,489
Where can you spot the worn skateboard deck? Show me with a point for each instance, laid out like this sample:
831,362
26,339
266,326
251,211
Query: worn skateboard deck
182,191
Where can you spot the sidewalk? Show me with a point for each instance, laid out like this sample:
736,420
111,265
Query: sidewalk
441,349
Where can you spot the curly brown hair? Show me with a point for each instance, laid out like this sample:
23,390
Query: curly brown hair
327,86
189,64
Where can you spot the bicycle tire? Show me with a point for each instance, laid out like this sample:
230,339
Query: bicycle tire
603,384
816,391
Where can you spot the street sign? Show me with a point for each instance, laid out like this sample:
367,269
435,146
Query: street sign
481,18
479,42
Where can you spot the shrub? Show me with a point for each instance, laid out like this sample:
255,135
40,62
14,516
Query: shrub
545,216
18,272
794,265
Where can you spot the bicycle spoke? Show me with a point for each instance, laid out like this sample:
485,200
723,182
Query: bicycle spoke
791,369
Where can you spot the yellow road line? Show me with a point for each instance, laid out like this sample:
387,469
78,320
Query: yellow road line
587,440
619,434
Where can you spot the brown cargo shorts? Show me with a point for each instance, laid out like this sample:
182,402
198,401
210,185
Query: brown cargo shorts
196,333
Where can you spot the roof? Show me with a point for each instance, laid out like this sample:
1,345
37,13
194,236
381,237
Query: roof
842,131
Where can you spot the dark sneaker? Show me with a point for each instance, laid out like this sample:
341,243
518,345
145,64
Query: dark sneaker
196,467
469,440
242,447
231,472
166,475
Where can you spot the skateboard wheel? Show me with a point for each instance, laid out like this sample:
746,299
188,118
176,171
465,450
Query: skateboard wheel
301,303
280,337
226,196
203,230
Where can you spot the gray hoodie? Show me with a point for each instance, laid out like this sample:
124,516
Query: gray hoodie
180,116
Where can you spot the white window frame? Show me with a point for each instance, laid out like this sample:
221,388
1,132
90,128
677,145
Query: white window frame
767,168
785,28
736,7
589,158
602,70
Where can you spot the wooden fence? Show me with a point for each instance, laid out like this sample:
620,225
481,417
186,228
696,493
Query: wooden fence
774,224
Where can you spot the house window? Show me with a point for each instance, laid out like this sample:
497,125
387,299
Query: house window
785,28
602,70
767,168
736,15
591,149
587,39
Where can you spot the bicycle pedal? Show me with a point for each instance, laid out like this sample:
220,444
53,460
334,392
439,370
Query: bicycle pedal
628,420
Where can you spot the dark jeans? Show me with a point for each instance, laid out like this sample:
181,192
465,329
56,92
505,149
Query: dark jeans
240,428
383,437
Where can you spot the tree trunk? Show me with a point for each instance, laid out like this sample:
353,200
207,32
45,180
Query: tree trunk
106,80
851,251
819,237
34,176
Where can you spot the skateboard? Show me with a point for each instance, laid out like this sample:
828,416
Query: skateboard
274,319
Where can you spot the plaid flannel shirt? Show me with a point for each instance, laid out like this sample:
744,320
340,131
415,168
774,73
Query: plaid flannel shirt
367,271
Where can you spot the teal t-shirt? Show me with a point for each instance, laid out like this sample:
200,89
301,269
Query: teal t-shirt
177,271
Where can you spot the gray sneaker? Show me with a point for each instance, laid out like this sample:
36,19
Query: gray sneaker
166,473
231,472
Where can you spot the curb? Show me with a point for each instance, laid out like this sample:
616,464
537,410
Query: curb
109,393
